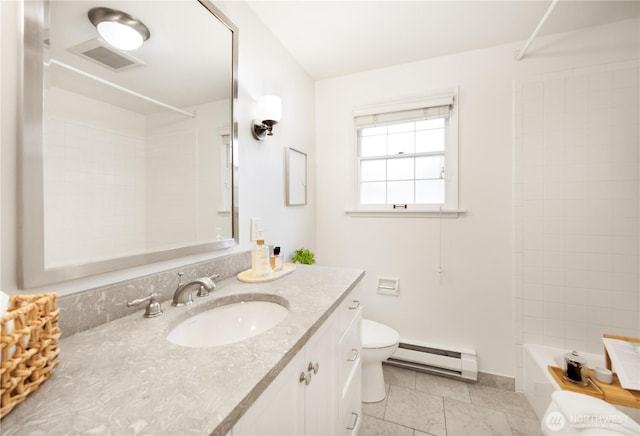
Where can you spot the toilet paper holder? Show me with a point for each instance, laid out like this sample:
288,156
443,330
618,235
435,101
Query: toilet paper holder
388,286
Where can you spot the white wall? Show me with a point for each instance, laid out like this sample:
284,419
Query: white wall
471,304
265,67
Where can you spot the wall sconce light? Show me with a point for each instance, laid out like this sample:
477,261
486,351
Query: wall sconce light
269,113
118,28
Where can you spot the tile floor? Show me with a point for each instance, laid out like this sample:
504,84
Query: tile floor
419,404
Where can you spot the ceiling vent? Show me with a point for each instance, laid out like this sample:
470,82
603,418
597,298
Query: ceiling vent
101,53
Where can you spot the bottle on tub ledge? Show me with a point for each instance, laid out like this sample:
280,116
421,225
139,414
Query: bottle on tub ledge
260,257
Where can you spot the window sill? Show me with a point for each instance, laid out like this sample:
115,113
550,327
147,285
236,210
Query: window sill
386,213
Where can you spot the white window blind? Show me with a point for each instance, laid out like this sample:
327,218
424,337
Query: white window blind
404,155
434,108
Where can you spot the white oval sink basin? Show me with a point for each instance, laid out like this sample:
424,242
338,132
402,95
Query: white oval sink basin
227,324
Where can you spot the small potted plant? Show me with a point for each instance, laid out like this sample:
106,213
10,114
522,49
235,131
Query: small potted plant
303,256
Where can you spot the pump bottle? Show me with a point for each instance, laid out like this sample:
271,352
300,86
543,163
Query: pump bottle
260,257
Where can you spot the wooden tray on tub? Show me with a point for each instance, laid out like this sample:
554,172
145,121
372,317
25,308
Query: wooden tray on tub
612,393
591,389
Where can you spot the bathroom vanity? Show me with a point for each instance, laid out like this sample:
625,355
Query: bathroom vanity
299,377
319,391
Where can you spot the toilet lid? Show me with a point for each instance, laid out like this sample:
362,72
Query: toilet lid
376,335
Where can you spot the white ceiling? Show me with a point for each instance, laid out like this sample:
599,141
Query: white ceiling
185,62
333,38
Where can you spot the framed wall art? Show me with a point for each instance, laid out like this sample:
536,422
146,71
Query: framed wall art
296,180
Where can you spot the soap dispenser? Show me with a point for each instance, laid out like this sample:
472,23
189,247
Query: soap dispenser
260,257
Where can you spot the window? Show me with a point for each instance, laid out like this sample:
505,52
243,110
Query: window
407,155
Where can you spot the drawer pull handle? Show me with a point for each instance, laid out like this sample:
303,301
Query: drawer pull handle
355,421
355,354
305,378
355,305
313,367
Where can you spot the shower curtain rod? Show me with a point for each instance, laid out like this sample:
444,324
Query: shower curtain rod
522,52
120,88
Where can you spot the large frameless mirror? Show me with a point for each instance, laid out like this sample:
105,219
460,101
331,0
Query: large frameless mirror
128,155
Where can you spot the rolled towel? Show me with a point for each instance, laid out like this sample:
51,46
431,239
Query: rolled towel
585,412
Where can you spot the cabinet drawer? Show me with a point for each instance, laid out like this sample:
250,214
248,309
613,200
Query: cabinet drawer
349,349
349,308
351,407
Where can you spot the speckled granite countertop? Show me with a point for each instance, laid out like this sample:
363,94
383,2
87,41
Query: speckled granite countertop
125,378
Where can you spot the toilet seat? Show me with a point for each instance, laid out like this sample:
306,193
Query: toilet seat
376,335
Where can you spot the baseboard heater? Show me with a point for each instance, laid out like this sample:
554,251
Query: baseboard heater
462,364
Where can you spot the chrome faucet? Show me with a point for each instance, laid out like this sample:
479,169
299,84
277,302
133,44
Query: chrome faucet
183,296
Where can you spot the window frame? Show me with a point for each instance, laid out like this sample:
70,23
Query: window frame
450,153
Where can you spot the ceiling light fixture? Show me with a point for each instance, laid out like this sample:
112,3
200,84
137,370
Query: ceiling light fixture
118,28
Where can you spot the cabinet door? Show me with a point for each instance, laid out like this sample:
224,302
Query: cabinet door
280,408
291,407
321,397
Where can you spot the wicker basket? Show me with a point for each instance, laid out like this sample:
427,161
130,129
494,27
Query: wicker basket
29,344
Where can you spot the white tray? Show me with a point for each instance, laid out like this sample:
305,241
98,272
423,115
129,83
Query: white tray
247,276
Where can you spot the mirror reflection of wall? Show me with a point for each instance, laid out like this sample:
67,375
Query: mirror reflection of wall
124,175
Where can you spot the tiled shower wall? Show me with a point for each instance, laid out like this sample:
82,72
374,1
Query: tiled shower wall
576,207
121,182
183,176
81,160
172,188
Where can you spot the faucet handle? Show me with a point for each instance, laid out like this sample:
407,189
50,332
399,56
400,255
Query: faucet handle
153,308
204,292
180,274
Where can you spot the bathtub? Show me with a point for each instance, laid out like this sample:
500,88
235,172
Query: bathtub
539,384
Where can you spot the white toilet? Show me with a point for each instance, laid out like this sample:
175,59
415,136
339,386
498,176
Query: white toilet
378,343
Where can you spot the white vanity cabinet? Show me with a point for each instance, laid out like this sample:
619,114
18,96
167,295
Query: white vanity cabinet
301,401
